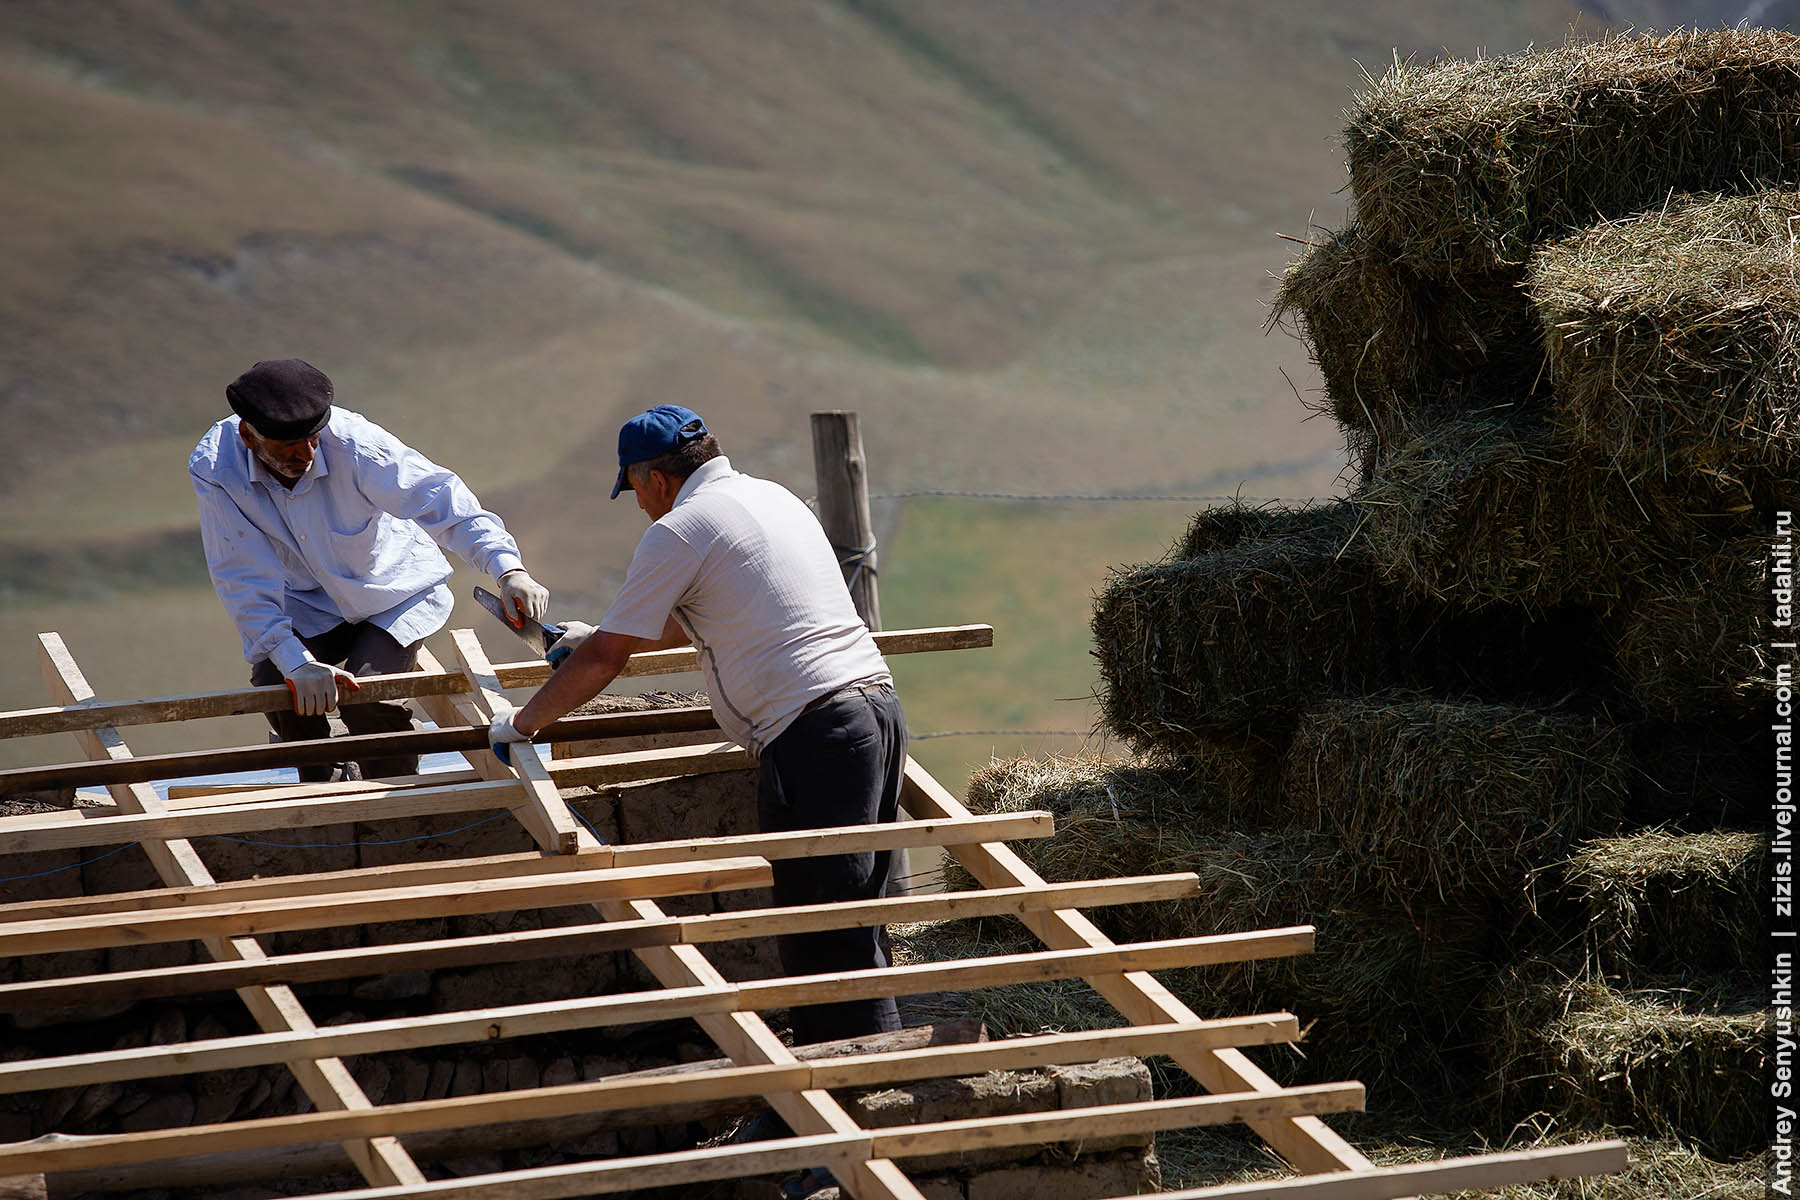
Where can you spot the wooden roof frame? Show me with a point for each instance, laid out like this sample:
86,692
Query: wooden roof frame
622,884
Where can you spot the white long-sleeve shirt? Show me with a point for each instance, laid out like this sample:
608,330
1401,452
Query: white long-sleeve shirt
355,540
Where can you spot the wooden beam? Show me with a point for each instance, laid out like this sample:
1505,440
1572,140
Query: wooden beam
326,1082
32,722
844,839
671,662
352,746
251,918
599,770
526,945
544,811
688,1167
1307,1143
1113,1120
192,798
640,1090
520,1020
247,815
1474,1173
419,684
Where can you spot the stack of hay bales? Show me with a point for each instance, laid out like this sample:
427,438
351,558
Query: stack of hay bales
1481,720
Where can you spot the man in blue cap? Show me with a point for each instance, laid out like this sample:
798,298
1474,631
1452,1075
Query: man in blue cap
321,532
740,567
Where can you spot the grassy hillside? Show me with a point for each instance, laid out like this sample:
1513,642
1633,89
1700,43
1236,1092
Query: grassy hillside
1028,239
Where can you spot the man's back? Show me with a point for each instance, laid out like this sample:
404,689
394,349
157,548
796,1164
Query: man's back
751,577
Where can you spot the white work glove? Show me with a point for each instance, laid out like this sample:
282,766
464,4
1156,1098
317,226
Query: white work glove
520,593
502,736
314,686
576,633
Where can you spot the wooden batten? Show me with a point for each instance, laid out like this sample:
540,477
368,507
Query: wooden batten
620,886
605,937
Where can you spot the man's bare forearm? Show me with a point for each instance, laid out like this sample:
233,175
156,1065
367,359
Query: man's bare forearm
582,676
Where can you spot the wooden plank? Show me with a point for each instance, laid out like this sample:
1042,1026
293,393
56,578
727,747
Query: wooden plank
365,1037
526,945
305,811
1309,1144
470,738
670,662
522,945
1112,1120
432,681
1473,1173
686,1167
844,1152
844,839
325,1081
23,1187
639,1090
1032,967
190,799
255,917
599,770
1053,1049
544,810
32,722
519,1020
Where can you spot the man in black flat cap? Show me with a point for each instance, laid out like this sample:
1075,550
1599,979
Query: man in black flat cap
322,533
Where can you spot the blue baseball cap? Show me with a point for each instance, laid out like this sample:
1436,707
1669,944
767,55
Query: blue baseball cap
653,434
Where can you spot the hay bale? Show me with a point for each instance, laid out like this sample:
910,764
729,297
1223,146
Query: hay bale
1453,799
1660,901
1212,642
1388,989
1695,643
1257,629
1463,167
1677,1060
1698,776
1490,511
1395,347
1224,526
1674,338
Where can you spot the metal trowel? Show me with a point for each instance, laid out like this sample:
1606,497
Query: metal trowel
536,634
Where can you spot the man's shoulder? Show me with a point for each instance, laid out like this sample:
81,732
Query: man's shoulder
212,457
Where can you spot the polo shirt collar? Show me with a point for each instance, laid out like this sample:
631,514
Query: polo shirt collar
705,473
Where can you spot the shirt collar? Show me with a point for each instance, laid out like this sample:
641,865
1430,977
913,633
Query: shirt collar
705,473
261,474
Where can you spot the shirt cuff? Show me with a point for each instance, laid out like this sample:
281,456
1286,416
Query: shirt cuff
503,562
289,653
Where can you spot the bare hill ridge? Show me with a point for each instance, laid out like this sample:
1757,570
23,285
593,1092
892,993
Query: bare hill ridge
1029,239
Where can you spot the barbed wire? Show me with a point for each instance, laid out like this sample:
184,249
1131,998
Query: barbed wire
1097,497
944,733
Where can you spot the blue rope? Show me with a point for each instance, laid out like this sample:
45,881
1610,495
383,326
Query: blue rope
70,867
424,837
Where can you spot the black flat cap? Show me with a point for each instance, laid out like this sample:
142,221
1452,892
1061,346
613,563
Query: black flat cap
284,399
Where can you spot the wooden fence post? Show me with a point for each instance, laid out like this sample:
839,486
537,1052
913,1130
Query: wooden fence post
843,488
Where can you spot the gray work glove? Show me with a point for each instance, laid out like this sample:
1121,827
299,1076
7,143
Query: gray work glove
576,633
503,736
520,593
314,686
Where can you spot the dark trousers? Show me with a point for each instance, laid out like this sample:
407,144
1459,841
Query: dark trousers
840,764
361,649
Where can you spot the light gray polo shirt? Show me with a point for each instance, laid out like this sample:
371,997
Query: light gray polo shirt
747,571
